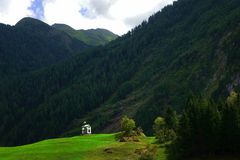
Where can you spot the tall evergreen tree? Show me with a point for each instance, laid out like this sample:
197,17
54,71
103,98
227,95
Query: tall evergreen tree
171,119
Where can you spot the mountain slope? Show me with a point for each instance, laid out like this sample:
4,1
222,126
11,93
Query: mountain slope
93,37
191,46
32,44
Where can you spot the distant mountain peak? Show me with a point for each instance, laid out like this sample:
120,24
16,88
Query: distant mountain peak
28,21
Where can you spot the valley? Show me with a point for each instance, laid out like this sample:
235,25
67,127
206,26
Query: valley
183,58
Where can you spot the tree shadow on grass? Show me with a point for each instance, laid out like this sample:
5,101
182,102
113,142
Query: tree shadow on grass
174,153
171,152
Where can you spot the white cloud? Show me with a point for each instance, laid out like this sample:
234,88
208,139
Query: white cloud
101,7
12,11
118,16
4,4
59,11
144,10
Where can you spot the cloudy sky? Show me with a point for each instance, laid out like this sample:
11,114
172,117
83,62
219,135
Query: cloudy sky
119,16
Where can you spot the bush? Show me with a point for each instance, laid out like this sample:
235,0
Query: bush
159,124
127,126
162,132
165,135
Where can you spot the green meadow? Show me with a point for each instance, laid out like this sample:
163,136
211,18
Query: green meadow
90,147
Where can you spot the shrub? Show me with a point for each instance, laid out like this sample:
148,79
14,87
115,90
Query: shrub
127,126
165,135
162,132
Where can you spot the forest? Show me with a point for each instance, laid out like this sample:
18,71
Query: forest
208,128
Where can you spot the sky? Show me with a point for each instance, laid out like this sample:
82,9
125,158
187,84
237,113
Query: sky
118,16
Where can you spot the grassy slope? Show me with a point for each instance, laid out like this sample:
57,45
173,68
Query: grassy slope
93,37
78,148
86,148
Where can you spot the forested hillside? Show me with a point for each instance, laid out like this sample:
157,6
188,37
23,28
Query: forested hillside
191,46
93,37
31,45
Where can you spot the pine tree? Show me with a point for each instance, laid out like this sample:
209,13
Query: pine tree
171,119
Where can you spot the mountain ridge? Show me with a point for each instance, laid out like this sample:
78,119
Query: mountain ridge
92,37
28,21
32,44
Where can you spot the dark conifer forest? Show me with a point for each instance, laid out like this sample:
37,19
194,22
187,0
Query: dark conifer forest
207,127
31,45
